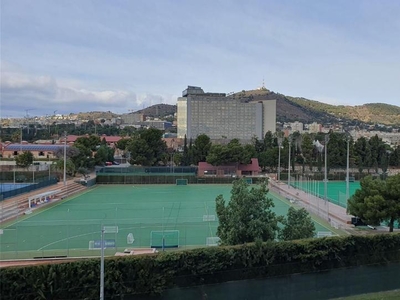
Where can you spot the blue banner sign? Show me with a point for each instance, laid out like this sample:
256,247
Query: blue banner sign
107,244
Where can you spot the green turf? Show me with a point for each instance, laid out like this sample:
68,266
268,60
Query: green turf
336,190
67,227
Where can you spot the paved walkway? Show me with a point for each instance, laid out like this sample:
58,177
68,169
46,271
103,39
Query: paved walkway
334,214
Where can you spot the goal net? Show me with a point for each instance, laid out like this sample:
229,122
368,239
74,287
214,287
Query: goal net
164,239
181,182
212,241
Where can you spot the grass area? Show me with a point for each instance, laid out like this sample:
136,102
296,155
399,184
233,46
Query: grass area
145,212
388,295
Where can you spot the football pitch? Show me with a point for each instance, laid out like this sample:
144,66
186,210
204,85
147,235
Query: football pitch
336,190
163,216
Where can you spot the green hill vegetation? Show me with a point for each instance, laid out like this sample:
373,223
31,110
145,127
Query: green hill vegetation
375,113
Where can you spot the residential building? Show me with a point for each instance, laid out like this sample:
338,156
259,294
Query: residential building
220,116
314,127
229,170
38,151
297,126
132,118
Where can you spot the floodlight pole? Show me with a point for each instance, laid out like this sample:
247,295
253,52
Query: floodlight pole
326,169
104,229
347,168
65,158
102,265
290,141
279,157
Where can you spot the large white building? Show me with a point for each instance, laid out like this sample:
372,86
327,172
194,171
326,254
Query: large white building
224,117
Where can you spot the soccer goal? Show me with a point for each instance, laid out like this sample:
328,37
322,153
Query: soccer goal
321,234
249,180
208,218
164,239
212,241
181,182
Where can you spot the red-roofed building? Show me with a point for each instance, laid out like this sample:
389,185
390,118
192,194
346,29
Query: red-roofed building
109,139
233,170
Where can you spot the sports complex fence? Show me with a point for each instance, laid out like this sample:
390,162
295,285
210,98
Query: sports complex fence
8,190
160,175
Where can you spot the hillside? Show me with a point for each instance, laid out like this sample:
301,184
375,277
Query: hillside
158,110
287,110
96,115
379,113
290,109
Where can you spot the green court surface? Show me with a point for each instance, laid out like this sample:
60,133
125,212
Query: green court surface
146,215
336,190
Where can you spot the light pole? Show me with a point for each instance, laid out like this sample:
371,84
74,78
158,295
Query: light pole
104,229
279,157
65,158
20,140
290,141
326,169
348,167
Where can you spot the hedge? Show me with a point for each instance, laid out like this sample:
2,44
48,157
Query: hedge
151,274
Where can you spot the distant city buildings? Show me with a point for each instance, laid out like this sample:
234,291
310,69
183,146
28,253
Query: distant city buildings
314,127
223,117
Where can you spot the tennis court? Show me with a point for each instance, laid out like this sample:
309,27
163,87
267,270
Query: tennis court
336,190
4,187
163,216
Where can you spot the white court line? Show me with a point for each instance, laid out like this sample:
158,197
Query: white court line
65,239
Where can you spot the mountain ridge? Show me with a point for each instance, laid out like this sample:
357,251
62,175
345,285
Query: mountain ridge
291,109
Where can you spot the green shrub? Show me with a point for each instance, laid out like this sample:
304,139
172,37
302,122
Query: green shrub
152,274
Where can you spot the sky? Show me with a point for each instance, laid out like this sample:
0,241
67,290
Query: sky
61,57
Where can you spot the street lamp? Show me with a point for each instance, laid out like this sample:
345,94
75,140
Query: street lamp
348,166
104,229
65,158
290,142
279,157
326,169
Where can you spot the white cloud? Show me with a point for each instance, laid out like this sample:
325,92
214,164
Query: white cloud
22,91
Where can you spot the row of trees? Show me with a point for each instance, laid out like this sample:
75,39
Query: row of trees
34,132
147,148
86,153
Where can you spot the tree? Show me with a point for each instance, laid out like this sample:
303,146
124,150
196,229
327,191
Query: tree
233,152
140,153
147,148
122,143
83,171
153,139
16,136
185,157
70,166
103,154
298,225
248,216
377,201
307,150
25,159
201,148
